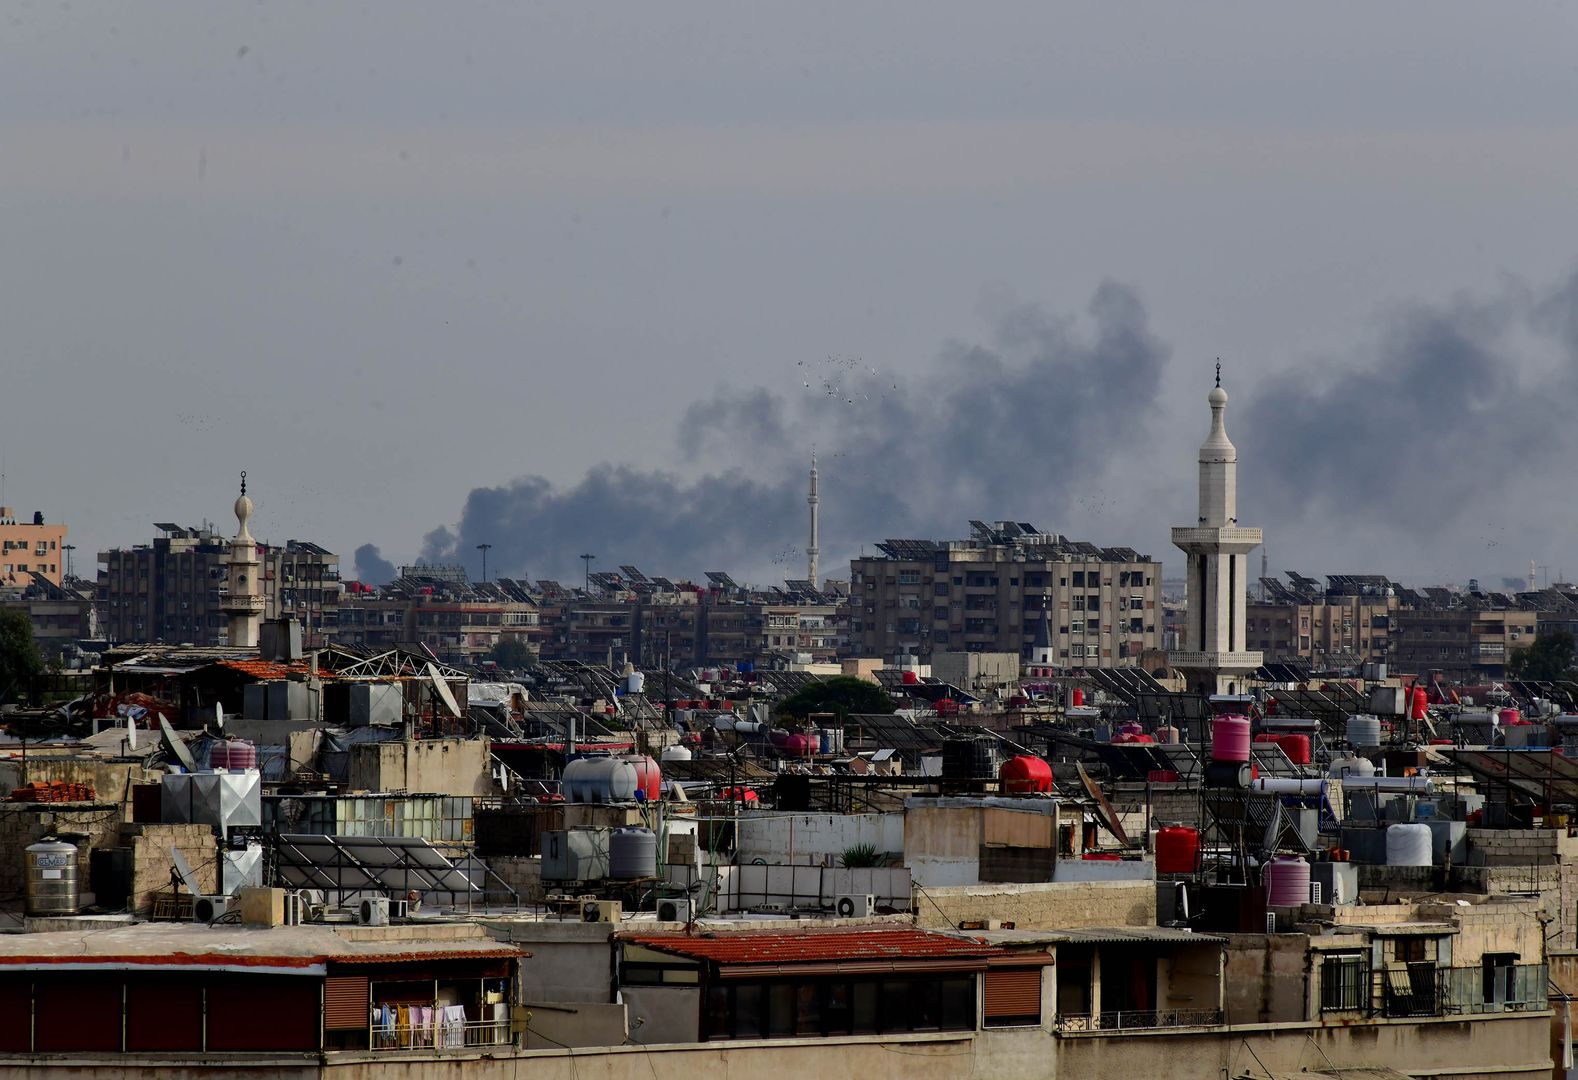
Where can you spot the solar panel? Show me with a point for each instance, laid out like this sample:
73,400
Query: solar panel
393,865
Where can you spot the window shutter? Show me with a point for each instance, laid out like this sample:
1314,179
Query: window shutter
345,1003
1013,993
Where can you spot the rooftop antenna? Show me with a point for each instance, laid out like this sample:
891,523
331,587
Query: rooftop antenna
587,559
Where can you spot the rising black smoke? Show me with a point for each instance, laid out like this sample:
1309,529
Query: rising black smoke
1443,443
1015,427
371,567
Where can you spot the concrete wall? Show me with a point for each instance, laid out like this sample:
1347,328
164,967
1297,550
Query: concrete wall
111,780
1049,906
521,873
586,1024
663,1014
810,839
1264,981
422,766
570,961
801,886
943,837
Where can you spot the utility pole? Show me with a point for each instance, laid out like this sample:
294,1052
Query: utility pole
587,559
484,548
68,549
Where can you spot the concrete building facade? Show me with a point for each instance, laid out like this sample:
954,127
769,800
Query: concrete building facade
987,594
30,549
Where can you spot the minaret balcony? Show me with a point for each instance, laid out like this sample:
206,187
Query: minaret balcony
243,605
1218,540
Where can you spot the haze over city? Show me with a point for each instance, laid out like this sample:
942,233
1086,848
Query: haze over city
548,279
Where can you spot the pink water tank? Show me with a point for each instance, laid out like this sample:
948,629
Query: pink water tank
1287,882
233,754
1230,738
649,778
1511,717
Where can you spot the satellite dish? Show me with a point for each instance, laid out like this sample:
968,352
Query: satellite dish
131,733
442,689
183,870
174,746
219,716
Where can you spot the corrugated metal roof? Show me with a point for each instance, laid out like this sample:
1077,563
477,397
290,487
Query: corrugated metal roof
810,946
1102,935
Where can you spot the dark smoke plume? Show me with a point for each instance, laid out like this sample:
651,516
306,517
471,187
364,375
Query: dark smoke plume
1015,427
1448,435
371,567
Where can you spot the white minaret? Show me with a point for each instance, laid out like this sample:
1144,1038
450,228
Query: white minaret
1215,655
244,606
813,549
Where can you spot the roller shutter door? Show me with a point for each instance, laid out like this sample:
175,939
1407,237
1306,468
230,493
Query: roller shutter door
1013,995
345,1003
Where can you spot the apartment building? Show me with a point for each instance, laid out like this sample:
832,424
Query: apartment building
1344,623
30,549
1465,644
986,594
459,621
173,589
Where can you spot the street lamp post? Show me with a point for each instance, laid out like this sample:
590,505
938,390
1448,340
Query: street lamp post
587,559
484,549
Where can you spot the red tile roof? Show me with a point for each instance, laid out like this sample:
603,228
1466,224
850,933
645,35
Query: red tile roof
265,669
809,946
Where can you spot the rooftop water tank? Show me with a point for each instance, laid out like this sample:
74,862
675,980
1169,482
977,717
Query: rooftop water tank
1177,849
1364,731
1025,775
1230,738
969,759
600,780
1409,844
1287,882
675,753
1351,765
51,887
233,754
649,779
632,853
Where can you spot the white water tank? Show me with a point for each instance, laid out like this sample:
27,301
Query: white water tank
1409,844
675,753
1351,765
1364,730
600,780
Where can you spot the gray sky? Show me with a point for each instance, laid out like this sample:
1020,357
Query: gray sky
383,254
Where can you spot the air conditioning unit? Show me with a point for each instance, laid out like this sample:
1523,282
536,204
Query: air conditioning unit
373,911
855,906
1314,892
399,909
294,910
673,911
600,911
205,909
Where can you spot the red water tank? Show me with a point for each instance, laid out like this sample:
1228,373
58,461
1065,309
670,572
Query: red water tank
1177,850
1101,856
1296,747
910,678
1025,775
1077,696
1421,703
649,778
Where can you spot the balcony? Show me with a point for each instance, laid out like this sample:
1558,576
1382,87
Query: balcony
1074,1023
441,1036
1422,989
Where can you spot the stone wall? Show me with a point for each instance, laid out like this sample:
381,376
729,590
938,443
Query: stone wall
151,858
521,873
1051,906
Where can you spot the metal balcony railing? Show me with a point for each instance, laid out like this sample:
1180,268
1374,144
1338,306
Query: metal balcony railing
440,1036
1422,989
1138,1020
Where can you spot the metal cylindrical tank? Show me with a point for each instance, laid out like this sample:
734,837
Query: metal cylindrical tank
233,754
797,745
1230,738
1177,849
675,753
51,886
1364,731
632,853
649,778
1169,735
1076,697
1287,882
1025,775
600,780
1351,765
1511,716
1421,703
1228,774
1409,844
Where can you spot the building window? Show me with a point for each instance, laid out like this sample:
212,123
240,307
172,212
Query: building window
1342,982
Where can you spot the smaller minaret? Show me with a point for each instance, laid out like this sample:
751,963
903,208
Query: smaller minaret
244,605
1041,650
813,549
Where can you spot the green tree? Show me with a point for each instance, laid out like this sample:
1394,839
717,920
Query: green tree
841,696
511,654
20,659
1549,658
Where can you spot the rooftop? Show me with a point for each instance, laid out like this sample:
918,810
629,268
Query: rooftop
810,946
